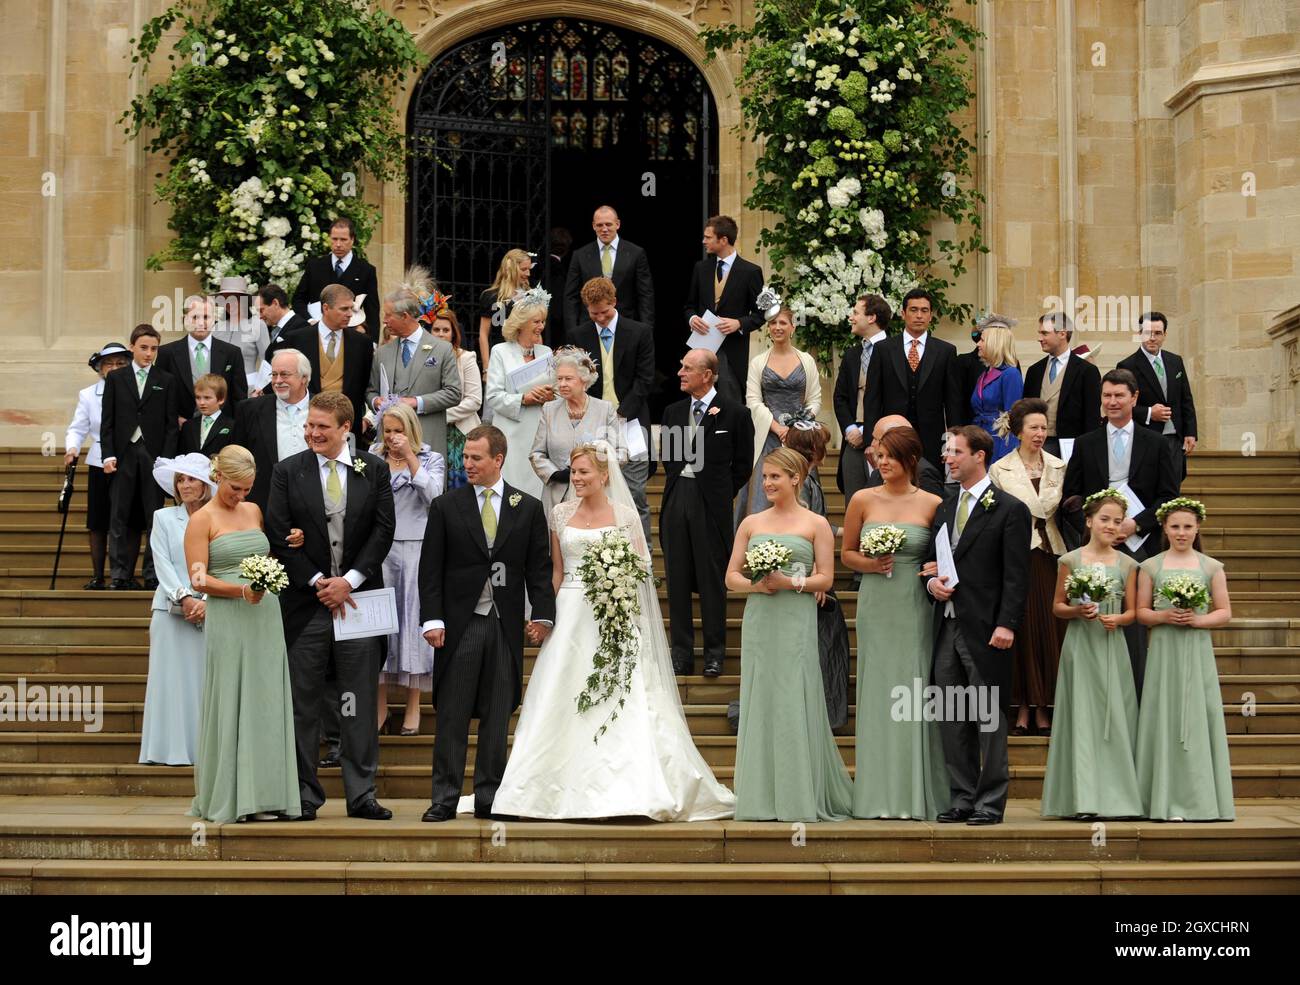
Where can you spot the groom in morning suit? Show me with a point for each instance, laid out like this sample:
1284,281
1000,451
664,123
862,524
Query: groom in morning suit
343,503
707,450
485,544
976,623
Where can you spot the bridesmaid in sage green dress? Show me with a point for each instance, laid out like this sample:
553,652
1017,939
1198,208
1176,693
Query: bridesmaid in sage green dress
900,766
788,767
1090,769
1182,744
246,766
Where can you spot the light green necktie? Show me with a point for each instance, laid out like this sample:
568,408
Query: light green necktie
205,427
201,358
607,260
1160,370
489,516
140,376
963,511
333,487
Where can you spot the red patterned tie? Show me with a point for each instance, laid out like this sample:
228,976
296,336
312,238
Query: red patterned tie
914,357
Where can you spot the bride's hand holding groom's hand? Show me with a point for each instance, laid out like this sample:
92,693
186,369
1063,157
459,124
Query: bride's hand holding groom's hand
536,632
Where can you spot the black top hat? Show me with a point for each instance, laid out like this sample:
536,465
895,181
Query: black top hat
112,349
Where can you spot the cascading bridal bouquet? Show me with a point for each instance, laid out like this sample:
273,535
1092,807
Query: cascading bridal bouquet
1091,583
765,557
264,573
879,541
612,573
1185,592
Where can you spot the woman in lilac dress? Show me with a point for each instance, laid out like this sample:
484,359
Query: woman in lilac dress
418,475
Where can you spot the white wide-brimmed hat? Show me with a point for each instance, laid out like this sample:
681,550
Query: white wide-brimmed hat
234,285
165,471
358,316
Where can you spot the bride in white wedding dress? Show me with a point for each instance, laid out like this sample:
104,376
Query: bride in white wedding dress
645,764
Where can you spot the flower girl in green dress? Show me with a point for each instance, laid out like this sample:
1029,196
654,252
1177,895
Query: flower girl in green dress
1182,748
1090,771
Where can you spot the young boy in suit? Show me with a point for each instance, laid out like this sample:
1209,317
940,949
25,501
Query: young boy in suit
210,429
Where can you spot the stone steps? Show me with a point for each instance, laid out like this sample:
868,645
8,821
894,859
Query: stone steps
696,690
474,878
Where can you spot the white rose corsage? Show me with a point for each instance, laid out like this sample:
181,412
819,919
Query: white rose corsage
358,466
988,500
515,498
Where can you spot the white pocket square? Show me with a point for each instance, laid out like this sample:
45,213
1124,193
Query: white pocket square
721,431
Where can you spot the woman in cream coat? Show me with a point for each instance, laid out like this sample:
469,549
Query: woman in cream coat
573,418
517,413
1035,478
783,383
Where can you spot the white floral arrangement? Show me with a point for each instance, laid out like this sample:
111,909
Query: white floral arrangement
1185,592
765,557
264,573
1090,583
612,573
879,541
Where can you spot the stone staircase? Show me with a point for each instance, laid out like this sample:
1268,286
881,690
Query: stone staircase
78,813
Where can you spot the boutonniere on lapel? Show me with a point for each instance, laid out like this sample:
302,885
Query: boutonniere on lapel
157,387
714,410
988,501
358,466
224,431
427,347
1179,375
515,498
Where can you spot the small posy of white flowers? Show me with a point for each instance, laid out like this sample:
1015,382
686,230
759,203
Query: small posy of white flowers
882,91
765,557
358,466
882,540
198,171
1091,583
987,501
612,573
1185,592
264,574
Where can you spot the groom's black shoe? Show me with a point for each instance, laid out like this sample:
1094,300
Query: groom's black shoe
370,810
439,812
308,814
713,667
329,760
683,667
955,815
984,817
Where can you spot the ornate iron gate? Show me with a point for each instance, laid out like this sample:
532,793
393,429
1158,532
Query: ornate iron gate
492,117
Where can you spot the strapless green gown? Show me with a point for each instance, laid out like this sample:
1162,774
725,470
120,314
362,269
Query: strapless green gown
900,766
788,767
246,760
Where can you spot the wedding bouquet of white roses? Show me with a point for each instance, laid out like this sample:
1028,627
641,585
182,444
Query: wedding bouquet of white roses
879,541
264,573
612,573
1091,583
1185,592
765,557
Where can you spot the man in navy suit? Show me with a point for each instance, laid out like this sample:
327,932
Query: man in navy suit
341,266
1165,402
915,375
616,258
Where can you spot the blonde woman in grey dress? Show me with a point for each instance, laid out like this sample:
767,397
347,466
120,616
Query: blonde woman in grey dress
573,418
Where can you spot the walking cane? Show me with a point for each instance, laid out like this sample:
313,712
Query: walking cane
65,500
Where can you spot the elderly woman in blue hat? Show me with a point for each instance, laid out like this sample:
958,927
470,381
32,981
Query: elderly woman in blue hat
85,424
